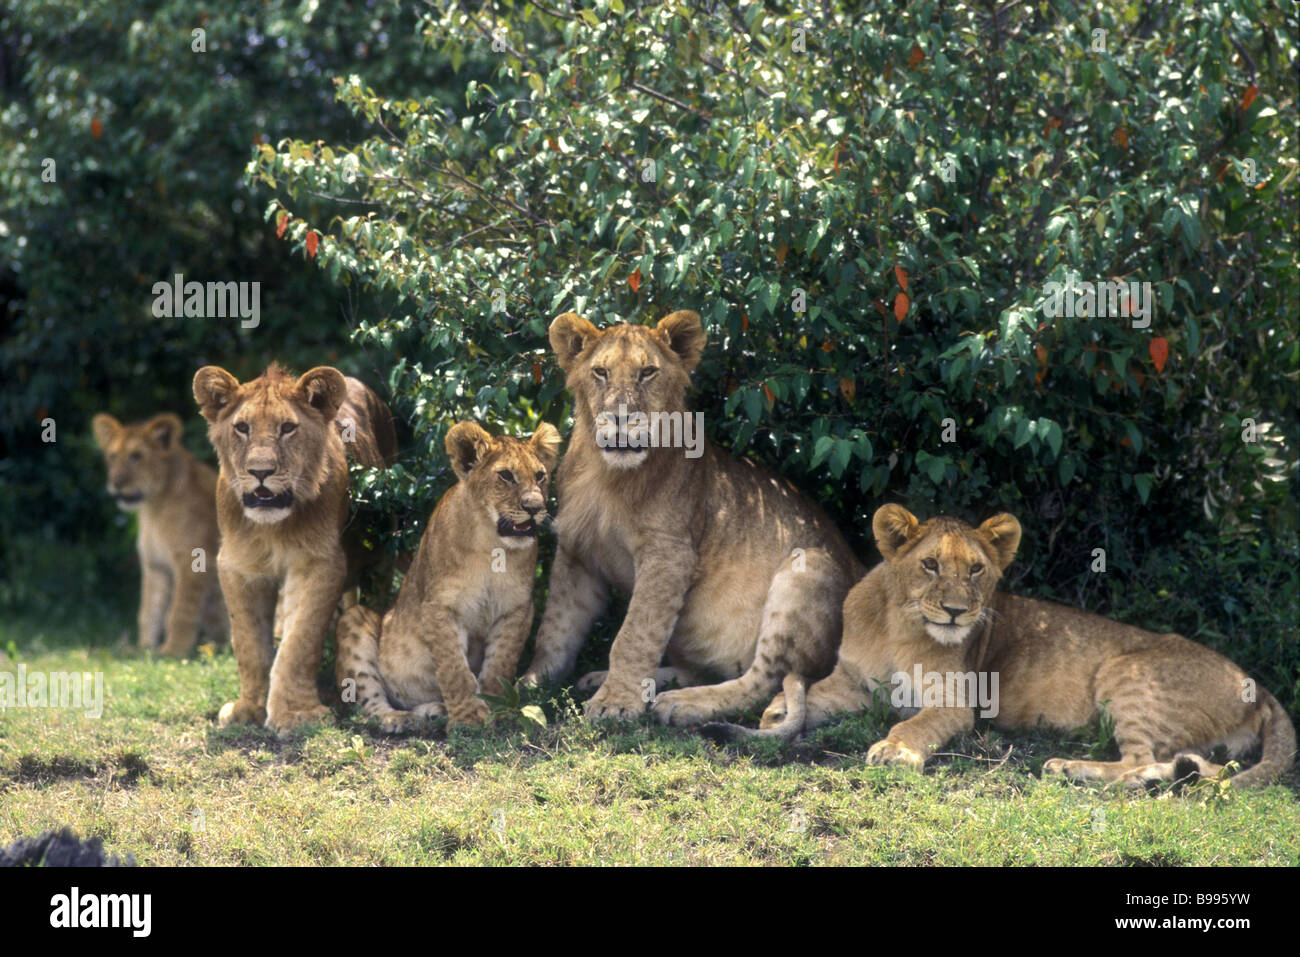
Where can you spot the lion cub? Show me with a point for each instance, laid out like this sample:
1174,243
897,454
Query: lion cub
282,505
931,608
151,473
465,608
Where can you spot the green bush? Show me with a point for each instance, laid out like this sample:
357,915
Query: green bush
867,205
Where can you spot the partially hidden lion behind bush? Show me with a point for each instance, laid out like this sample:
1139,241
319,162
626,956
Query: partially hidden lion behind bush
152,474
282,504
930,611
732,572
466,605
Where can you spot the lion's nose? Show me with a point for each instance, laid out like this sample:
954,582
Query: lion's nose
952,612
261,474
530,508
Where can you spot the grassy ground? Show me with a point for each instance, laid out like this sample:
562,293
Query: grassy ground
155,777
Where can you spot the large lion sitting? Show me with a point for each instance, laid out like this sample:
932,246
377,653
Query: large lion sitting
730,570
151,473
282,504
931,609
466,606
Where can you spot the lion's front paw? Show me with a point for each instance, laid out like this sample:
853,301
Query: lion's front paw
395,722
590,682
288,720
240,712
681,708
891,752
774,714
606,704
475,711
1056,766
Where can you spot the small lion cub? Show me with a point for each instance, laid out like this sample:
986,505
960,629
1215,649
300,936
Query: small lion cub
151,473
465,608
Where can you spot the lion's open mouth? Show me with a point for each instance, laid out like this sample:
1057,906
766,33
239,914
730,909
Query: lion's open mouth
509,529
263,497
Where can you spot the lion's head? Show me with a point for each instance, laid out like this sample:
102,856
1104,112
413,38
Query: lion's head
139,456
273,435
946,570
628,381
508,477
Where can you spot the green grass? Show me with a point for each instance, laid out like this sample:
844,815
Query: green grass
155,777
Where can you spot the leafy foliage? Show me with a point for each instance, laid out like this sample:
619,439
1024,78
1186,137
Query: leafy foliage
867,206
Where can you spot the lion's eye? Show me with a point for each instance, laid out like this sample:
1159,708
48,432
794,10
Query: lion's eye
929,564
648,373
241,428
976,569
600,373
133,457
541,477
288,427
506,476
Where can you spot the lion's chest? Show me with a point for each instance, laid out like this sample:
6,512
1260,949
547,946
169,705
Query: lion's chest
152,546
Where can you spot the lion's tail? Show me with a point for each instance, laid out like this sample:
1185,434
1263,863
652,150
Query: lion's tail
795,688
1278,752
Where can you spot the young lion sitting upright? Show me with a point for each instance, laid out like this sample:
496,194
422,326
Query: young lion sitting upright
731,571
464,611
282,504
151,473
931,610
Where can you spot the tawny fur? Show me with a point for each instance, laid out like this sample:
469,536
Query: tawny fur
291,432
152,474
731,571
1173,702
466,606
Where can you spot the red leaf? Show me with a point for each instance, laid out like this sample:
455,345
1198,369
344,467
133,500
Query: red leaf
848,389
537,372
901,302
901,275
744,322
767,394
281,223
1159,352
1248,97
1040,350
634,280
915,57
313,240
96,128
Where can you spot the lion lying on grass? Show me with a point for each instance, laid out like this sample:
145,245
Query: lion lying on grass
931,607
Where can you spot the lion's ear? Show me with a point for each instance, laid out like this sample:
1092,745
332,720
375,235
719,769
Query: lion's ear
684,335
893,527
105,429
214,387
468,444
1002,532
570,334
165,430
545,444
324,389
